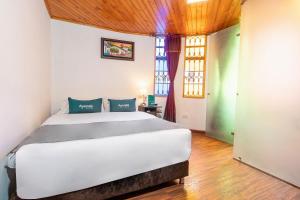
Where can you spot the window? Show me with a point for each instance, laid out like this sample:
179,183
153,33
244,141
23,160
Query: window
194,67
162,81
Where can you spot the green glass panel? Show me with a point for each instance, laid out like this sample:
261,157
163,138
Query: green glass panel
222,84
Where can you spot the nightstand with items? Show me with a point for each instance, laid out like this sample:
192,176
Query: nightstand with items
153,110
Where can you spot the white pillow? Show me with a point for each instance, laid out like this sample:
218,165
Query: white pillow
65,107
105,103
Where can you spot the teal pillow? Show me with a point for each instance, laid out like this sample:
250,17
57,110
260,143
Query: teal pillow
84,106
125,105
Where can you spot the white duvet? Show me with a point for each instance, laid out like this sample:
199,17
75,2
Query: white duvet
50,169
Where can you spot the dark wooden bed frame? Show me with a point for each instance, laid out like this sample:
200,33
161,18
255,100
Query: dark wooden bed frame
118,187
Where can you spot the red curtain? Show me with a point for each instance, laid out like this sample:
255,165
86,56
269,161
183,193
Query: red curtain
173,49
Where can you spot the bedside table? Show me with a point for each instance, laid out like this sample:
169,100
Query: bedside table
153,110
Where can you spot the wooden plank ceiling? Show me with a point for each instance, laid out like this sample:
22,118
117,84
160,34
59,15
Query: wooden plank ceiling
149,17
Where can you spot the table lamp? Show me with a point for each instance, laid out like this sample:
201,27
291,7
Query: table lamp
143,93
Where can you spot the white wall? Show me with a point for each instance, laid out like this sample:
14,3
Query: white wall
25,69
79,71
25,74
268,119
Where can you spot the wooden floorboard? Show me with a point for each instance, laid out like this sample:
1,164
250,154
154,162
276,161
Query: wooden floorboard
214,175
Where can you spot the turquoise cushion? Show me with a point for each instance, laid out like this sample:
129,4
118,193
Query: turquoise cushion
125,105
84,106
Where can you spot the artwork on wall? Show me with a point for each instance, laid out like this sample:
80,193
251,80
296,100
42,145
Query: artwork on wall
117,49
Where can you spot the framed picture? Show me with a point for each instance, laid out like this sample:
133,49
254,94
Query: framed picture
117,49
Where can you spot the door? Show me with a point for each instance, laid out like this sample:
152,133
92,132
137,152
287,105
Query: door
223,62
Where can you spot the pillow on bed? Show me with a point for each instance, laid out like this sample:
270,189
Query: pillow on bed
84,106
64,107
124,105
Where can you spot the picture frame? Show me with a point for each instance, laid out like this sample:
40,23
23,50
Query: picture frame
117,49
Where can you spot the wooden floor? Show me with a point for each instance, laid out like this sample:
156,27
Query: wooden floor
214,175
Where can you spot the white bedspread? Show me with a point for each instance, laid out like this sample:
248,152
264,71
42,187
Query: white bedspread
50,169
62,118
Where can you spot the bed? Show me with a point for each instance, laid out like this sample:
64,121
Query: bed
98,156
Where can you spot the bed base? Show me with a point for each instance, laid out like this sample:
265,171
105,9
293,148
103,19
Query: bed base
118,187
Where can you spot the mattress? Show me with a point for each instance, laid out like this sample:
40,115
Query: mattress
48,169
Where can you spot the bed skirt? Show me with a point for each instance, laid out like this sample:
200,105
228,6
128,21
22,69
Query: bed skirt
115,188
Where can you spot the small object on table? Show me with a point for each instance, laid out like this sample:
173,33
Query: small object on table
153,110
151,100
